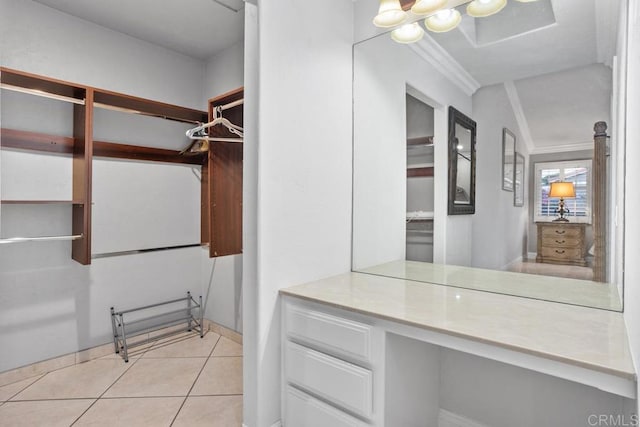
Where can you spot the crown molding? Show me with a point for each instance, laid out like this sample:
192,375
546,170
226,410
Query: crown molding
564,148
607,14
434,54
521,118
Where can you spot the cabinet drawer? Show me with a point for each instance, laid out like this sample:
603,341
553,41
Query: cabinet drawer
303,410
334,334
560,231
339,382
562,253
561,242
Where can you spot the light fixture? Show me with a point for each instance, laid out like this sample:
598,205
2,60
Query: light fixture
526,1
562,190
443,21
426,7
389,14
408,33
482,8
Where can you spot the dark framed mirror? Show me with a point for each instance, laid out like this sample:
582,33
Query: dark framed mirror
462,164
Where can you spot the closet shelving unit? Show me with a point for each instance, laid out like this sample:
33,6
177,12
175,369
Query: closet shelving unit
419,144
221,226
419,225
223,165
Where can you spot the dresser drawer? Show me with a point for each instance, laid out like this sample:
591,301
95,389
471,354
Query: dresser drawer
339,382
303,410
561,231
562,253
334,334
561,242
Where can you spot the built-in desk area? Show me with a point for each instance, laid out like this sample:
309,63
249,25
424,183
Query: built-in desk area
361,349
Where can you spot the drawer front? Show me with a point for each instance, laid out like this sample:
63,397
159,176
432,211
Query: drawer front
559,231
561,242
334,380
562,253
328,332
303,410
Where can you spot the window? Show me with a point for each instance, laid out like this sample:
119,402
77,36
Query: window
576,171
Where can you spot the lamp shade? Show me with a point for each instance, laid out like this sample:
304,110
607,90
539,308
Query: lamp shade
482,8
425,7
408,33
562,189
390,14
443,21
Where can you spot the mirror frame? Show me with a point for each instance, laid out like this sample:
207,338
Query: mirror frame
458,118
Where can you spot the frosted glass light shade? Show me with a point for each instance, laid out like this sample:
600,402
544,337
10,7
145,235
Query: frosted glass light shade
390,14
408,33
482,8
443,21
425,7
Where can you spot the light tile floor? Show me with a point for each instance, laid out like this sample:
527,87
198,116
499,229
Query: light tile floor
181,381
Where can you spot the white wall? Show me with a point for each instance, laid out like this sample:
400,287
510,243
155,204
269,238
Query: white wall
41,40
497,223
299,162
224,72
632,201
383,70
49,304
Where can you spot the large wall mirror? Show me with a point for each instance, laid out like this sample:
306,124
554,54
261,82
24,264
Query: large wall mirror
547,71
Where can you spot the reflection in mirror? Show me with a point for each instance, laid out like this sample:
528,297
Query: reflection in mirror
545,71
508,153
462,163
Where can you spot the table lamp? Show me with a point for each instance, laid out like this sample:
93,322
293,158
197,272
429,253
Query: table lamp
562,190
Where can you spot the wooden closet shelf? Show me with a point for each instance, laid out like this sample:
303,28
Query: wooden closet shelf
103,98
135,152
419,172
422,140
24,140
134,104
42,84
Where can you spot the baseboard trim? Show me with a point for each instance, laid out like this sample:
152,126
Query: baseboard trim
64,361
276,424
449,419
508,265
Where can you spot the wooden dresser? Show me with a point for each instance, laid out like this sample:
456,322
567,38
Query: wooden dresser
561,243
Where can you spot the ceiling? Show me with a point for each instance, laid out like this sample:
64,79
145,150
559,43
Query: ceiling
197,28
556,57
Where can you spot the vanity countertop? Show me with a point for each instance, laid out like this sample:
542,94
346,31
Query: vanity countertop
585,337
570,291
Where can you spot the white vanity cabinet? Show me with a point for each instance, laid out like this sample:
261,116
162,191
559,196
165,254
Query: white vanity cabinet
363,350
328,371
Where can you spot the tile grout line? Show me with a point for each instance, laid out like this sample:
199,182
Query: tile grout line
195,381
9,399
132,362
